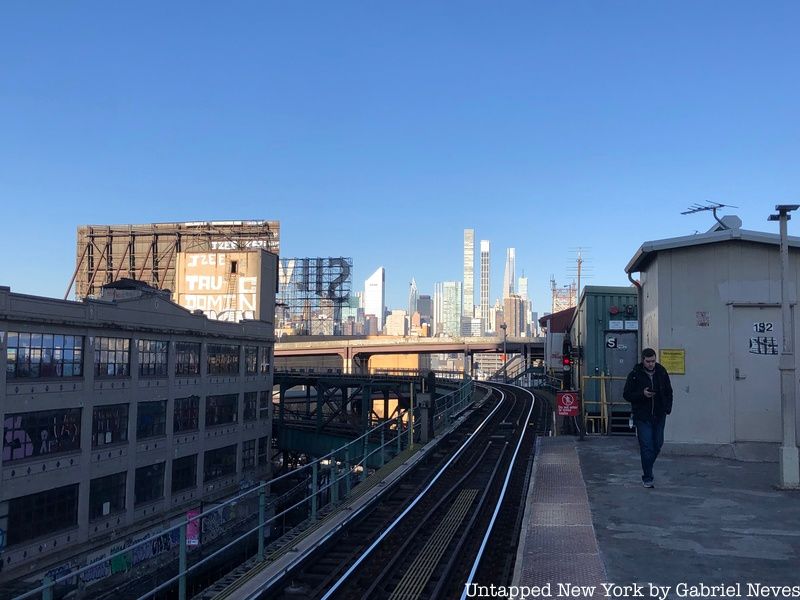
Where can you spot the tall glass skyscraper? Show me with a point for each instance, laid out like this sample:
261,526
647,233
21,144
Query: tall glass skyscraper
375,295
469,272
508,276
485,317
447,308
413,296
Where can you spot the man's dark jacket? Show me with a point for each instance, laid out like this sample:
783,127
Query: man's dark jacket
647,409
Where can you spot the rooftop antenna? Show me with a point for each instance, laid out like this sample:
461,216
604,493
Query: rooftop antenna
712,206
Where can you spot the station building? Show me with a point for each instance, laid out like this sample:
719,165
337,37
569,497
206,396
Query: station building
711,308
121,412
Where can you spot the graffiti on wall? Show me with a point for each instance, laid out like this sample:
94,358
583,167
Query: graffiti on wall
211,284
41,433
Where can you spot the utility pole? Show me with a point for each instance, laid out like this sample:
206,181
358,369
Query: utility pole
789,464
581,416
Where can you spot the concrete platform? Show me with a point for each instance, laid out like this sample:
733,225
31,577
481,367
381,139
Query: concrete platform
708,522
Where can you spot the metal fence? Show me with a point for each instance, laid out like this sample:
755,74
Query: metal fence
329,479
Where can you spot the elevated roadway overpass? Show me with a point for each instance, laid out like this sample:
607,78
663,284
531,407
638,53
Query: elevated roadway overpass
356,350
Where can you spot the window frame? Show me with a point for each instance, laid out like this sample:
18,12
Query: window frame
142,485
96,431
159,428
176,468
117,487
117,359
186,350
19,427
44,355
156,353
218,407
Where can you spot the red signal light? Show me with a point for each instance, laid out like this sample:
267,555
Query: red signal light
566,361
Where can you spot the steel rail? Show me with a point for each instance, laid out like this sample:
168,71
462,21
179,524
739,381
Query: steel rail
265,585
499,500
408,509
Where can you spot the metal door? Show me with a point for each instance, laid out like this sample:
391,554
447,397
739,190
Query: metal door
622,354
756,340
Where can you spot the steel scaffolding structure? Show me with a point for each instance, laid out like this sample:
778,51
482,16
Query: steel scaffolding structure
311,293
147,253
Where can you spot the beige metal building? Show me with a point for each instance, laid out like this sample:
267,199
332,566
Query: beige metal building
711,308
120,413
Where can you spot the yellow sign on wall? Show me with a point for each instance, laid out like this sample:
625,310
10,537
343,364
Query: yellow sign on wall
673,360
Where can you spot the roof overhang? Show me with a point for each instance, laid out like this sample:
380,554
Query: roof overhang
647,251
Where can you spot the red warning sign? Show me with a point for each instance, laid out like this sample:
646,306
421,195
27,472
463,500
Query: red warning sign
567,403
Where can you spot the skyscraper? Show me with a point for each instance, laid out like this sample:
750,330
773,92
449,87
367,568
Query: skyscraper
447,308
469,273
425,308
508,276
413,297
514,315
375,296
485,285
523,293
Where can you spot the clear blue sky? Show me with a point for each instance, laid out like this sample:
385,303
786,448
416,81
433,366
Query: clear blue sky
380,130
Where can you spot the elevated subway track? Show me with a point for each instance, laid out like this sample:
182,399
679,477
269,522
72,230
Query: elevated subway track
458,507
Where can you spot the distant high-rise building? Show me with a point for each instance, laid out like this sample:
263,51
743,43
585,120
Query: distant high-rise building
371,325
523,293
508,275
485,311
471,327
514,315
523,287
396,324
413,297
375,295
447,308
425,308
469,272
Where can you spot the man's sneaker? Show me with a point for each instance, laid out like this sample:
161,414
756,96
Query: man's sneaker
648,483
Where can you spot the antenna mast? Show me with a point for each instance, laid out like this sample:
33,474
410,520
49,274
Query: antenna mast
713,207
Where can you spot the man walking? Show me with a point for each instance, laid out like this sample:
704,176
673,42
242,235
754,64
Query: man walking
649,391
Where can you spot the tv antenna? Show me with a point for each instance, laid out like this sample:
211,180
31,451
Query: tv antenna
713,207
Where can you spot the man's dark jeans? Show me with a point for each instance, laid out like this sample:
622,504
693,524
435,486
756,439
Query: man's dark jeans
651,438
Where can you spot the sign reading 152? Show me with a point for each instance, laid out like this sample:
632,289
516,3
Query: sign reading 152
762,327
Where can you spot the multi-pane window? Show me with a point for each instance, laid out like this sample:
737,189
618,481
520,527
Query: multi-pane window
250,412
151,419
152,358
184,473
223,359
251,360
112,357
149,484
263,405
263,363
107,495
41,433
187,358
35,515
187,414
263,451
219,463
33,355
109,424
221,410
249,454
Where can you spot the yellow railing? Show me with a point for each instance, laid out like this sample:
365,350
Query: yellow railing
599,423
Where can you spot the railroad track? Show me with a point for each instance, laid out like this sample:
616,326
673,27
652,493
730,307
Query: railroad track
454,518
